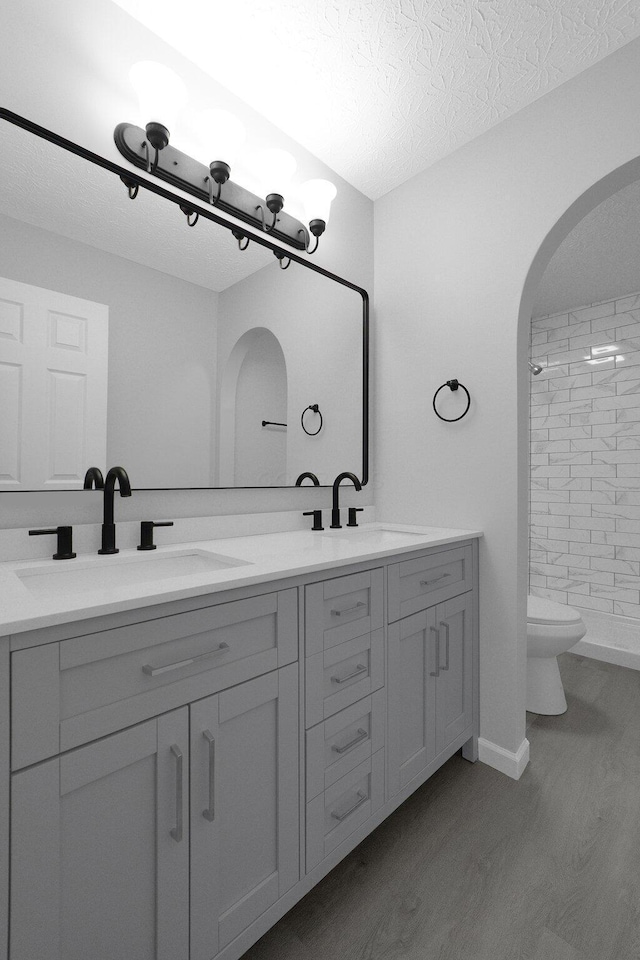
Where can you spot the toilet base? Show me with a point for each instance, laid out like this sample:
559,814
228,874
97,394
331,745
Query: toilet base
545,693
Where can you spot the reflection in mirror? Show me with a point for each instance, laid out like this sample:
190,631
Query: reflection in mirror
253,452
128,337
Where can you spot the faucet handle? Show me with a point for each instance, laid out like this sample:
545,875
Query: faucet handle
65,541
352,522
146,533
317,518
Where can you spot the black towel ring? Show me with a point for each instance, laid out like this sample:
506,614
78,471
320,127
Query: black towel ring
316,409
453,385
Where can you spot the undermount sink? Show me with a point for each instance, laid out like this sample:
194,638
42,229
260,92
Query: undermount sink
378,537
120,571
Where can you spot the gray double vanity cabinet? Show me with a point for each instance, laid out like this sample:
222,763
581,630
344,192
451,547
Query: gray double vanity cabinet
176,777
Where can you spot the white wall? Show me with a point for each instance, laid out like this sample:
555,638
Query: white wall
66,66
455,274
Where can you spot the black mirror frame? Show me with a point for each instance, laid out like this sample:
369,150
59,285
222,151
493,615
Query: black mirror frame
209,214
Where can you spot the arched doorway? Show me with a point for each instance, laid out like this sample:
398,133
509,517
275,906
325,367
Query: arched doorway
601,191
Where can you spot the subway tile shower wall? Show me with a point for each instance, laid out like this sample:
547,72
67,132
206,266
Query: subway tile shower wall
584,540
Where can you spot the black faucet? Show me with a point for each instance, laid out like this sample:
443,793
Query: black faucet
335,513
93,479
307,475
118,474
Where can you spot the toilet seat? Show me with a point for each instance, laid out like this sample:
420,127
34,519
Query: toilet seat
542,611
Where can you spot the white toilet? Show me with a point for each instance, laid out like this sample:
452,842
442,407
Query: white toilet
552,628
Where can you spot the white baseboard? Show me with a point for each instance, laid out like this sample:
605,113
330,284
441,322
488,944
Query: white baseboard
513,764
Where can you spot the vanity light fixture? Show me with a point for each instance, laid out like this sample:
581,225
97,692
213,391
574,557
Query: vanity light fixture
242,238
192,215
281,256
275,169
223,136
198,179
161,94
317,197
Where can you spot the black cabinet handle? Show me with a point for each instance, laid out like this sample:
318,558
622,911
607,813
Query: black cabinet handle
146,533
64,549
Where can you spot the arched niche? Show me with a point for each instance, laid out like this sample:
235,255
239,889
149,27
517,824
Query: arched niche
253,388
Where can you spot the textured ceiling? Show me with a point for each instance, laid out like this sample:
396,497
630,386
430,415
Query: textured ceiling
599,260
50,188
381,89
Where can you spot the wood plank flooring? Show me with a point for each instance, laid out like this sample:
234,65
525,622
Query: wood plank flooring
475,866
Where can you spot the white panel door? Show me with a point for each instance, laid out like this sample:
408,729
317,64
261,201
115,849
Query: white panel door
53,387
244,806
100,849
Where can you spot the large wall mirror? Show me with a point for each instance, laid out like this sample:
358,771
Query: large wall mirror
127,337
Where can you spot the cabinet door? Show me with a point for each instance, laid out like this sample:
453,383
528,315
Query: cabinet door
100,849
244,806
411,697
454,686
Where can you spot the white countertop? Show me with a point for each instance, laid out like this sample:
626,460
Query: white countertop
263,558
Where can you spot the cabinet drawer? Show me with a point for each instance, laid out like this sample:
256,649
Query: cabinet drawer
343,807
417,584
341,743
341,609
342,675
74,691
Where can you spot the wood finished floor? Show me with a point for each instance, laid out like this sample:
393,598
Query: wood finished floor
475,866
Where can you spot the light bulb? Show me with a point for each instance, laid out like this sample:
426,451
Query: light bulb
275,169
316,199
161,93
221,135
